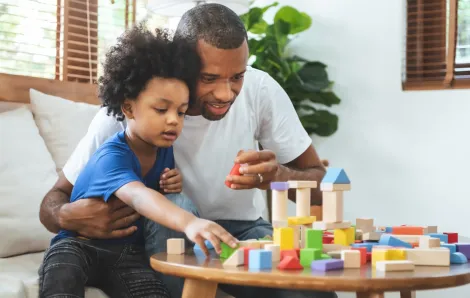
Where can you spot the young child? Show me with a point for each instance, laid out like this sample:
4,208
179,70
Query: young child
149,81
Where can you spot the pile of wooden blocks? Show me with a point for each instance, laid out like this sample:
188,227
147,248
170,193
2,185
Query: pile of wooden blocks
301,242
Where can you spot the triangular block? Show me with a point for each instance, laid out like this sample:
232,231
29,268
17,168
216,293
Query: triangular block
290,263
336,176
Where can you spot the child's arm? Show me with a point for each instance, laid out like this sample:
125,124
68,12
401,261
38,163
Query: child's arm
158,208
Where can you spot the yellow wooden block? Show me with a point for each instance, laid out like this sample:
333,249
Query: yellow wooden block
301,220
344,236
284,237
397,254
380,255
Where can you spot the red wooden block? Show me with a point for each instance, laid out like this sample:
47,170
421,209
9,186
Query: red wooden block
289,252
415,244
452,237
358,241
291,263
328,239
246,253
369,256
297,251
363,251
234,172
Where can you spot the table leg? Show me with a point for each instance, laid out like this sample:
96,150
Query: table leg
407,294
199,288
370,295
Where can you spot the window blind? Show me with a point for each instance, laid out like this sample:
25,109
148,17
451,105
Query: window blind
437,54
61,39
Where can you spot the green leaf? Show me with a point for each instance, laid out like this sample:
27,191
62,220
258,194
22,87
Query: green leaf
298,21
322,123
259,28
314,76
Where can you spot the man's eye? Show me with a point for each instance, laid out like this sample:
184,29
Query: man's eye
208,79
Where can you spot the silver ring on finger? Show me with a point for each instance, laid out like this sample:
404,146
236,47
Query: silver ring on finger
260,178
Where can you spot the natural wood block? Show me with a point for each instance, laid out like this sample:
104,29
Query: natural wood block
334,247
429,242
322,225
296,235
279,205
365,224
300,220
302,202
236,259
280,224
275,250
253,243
302,184
334,187
333,206
429,256
403,265
351,258
175,246
371,236
263,243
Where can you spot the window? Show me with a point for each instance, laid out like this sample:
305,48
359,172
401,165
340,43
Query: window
64,39
437,45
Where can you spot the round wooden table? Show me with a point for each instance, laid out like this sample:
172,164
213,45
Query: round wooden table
202,275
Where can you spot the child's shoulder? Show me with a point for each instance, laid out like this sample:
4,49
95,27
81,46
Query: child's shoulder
115,144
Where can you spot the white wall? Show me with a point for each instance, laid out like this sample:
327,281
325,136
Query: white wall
407,153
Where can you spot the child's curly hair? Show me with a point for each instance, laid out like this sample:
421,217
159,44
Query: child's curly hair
140,55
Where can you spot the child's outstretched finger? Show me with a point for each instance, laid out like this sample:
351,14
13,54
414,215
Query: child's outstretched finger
214,241
203,246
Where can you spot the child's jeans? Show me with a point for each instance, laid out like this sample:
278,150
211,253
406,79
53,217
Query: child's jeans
118,270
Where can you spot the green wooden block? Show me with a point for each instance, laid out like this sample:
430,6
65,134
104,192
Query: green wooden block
314,239
227,251
308,255
325,257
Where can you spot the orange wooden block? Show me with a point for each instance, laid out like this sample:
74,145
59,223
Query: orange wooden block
408,230
363,251
415,244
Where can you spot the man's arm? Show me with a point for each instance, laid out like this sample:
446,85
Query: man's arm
305,167
89,217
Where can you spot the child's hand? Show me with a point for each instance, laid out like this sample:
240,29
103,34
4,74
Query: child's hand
171,181
199,230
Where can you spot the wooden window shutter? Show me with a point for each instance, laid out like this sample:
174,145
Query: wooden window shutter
433,32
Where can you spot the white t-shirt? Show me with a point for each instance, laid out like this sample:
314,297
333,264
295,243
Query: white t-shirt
205,150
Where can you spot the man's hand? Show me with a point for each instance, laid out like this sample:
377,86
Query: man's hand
259,169
171,181
94,218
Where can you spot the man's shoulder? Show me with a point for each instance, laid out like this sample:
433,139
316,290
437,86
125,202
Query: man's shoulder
106,125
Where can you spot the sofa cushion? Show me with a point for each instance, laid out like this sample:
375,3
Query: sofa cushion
62,123
21,273
27,173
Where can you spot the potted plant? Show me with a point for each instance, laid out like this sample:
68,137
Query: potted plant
306,82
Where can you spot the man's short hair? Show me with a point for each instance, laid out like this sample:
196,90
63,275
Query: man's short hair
214,23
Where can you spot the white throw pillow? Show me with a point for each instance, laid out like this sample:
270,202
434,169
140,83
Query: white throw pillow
62,123
27,173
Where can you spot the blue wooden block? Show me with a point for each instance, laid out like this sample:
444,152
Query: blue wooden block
260,259
367,245
387,239
442,237
458,258
451,247
388,230
336,176
207,243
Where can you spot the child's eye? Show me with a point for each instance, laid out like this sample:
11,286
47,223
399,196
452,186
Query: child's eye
161,111
181,114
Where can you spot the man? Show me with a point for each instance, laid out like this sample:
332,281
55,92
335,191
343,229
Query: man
236,107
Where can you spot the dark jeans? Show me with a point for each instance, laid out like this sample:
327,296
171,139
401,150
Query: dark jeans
118,270
156,236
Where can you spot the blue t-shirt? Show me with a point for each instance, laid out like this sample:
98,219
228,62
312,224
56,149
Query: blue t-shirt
112,166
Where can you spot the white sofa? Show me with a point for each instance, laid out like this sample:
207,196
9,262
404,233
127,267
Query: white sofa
36,140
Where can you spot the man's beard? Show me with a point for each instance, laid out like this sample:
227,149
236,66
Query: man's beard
212,117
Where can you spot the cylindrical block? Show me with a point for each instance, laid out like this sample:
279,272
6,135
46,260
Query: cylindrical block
279,205
302,202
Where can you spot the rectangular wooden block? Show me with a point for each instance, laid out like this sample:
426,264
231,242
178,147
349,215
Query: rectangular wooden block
314,239
429,242
298,220
260,259
296,235
395,254
284,237
333,206
334,187
321,225
275,251
379,255
332,247
431,229
175,246
365,224
351,258
302,184
403,265
407,230
429,256
371,236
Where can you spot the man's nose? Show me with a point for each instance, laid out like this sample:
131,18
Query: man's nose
224,92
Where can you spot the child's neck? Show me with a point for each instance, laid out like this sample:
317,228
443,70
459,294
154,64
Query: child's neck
139,146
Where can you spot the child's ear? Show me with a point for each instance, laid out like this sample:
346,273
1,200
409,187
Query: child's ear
127,109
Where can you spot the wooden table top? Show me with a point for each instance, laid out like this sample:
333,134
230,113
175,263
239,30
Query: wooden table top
365,279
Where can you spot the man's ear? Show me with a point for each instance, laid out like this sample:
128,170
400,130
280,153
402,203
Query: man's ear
127,109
